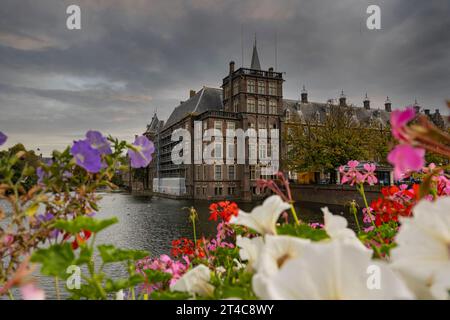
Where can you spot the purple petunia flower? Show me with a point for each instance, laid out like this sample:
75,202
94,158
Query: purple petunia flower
45,217
99,142
142,155
3,138
86,156
41,174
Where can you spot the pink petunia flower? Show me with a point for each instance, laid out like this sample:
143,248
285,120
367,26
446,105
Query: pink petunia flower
405,159
352,175
370,174
399,119
30,292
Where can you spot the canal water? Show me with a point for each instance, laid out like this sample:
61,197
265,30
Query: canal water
151,223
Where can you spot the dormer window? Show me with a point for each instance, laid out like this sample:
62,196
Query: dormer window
288,115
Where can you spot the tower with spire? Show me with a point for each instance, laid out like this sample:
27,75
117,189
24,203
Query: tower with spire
252,90
388,105
304,95
255,96
255,65
342,99
366,102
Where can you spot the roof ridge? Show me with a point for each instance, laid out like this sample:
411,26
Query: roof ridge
199,99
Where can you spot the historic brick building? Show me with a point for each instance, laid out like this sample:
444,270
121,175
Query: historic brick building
248,98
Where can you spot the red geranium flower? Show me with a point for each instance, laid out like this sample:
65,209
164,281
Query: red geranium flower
224,210
80,238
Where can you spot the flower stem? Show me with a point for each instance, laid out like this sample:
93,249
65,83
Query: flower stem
58,294
360,188
10,295
193,228
354,210
294,214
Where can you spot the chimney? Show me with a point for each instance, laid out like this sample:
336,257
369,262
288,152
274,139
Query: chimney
191,93
366,103
388,105
427,112
342,99
304,95
231,67
437,111
416,106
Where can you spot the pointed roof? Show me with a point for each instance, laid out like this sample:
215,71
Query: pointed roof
255,59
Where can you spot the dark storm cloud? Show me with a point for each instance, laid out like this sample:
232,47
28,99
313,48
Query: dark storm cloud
135,56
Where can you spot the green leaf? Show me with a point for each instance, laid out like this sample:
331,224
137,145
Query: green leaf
55,260
85,255
119,284
155,276
85,291
109,254
84,223
167,295
302,231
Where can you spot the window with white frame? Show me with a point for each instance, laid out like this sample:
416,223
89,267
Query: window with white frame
231,172
218,150
252,151
251,105
218,172
262,151
230,150
273,107
261,87
261,106
231,125
218,125
251,86
273,88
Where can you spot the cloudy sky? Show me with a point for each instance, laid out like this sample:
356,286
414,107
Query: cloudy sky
132,57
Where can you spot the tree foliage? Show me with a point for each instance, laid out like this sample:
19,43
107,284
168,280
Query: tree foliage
315,145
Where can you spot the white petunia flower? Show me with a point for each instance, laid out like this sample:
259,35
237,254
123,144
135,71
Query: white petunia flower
441,285
333,270
422,255
120,295
275,253
250,249
195,281
336,228
263,218
277,250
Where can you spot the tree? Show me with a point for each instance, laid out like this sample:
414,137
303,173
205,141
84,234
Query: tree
323,146
27,158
